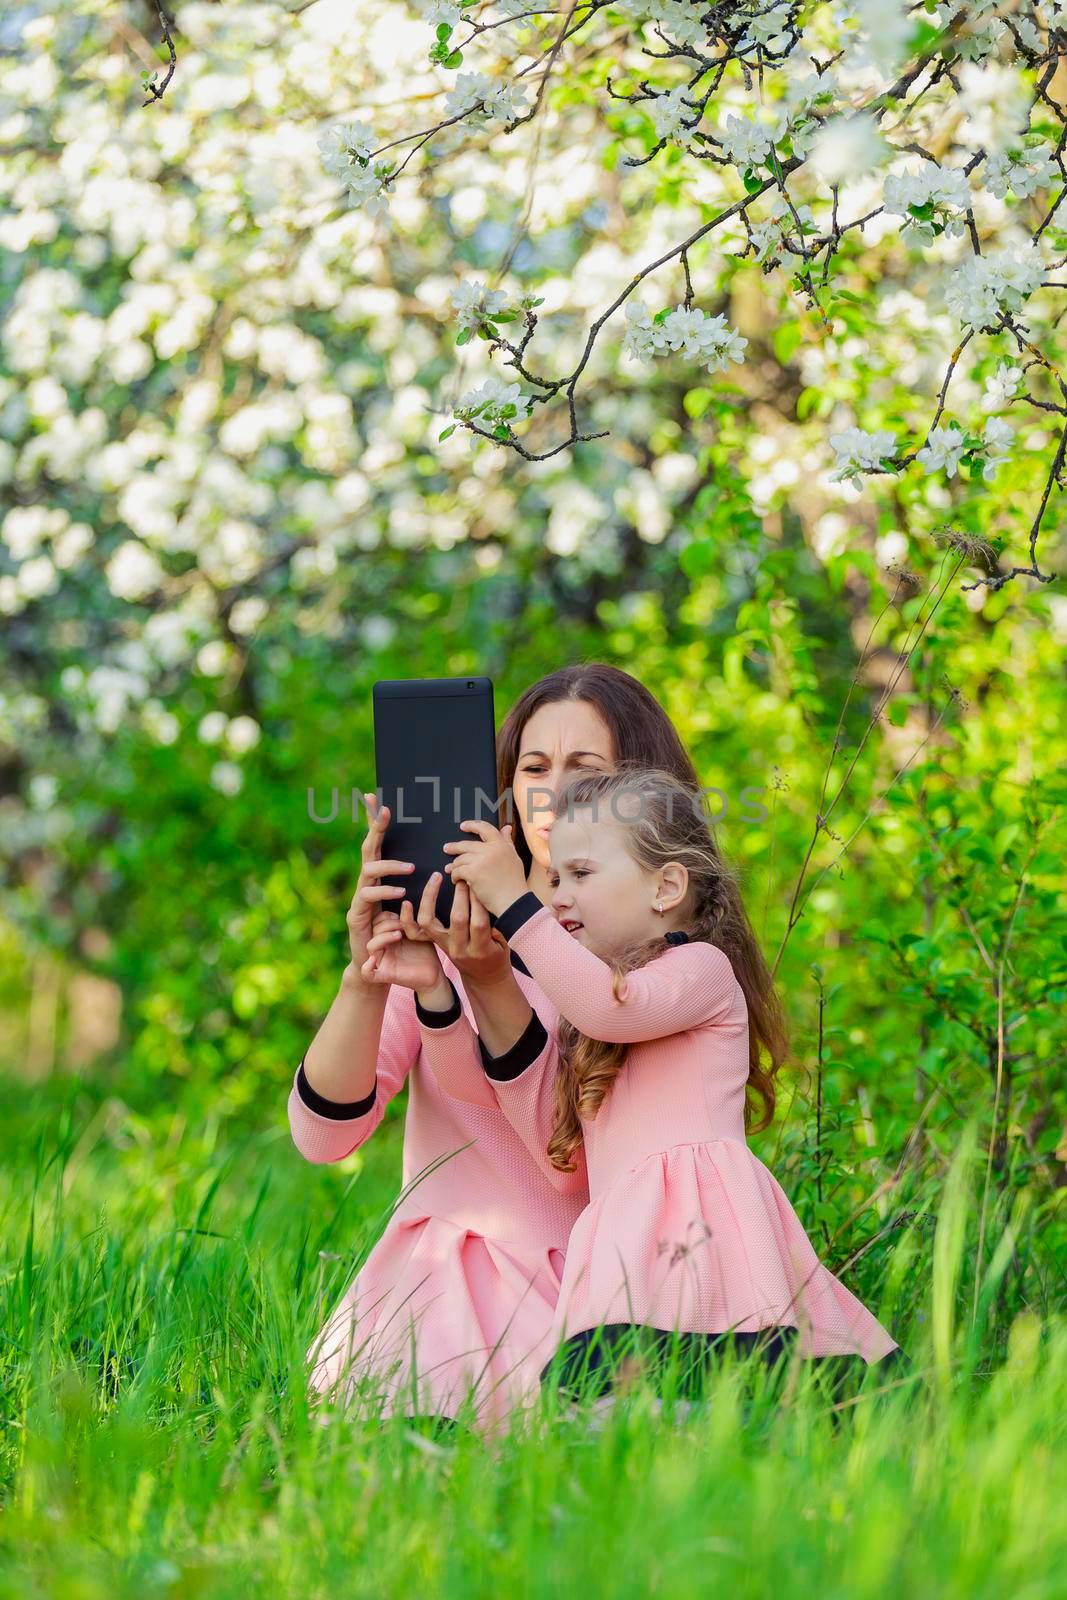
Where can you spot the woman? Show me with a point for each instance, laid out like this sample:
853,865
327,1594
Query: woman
454,1303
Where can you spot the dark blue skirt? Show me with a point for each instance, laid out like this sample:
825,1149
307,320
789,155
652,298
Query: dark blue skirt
599,1360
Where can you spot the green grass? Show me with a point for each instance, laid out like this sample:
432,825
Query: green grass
163,1274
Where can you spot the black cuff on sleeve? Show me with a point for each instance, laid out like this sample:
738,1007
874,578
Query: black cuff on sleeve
523,1052
519,911
336,1110
440,1019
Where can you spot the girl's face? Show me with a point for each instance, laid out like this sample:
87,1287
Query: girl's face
594,880
560,740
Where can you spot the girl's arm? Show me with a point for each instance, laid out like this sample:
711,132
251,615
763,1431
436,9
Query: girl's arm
358,1060
688,986
520,1081
524,1083
449,1044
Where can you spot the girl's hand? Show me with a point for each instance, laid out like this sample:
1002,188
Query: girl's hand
370,891
489,865
479,952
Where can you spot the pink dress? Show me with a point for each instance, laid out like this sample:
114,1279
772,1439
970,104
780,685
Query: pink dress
456,1299
686,1229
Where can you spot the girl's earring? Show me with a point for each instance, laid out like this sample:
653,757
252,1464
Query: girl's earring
659,908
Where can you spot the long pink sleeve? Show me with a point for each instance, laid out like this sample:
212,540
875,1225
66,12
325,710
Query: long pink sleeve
689,985
529,1103
453,1057
524,1093
323,1139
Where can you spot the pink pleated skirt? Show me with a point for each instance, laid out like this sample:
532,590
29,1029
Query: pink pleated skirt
440,1321
702,1238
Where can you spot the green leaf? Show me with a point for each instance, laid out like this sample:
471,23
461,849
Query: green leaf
787,337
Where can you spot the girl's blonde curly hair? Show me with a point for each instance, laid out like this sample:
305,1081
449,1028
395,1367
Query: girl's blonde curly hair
673,824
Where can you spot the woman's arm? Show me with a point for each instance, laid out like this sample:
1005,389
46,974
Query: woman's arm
342,1059
364,1050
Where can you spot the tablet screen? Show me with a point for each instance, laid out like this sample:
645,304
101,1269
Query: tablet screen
435,766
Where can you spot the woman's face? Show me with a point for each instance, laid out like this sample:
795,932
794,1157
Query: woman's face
560,740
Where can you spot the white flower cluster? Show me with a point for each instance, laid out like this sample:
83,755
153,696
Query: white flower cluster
708,339
858,452
984,288
476,303
675,18
496,402
769,235
670,111
930,200
1022,169
945,447
768,28
746,142
494,98
1001,387
345,153
239,733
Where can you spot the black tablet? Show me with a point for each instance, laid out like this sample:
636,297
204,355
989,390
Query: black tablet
435,766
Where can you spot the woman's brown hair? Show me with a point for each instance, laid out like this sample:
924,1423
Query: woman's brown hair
641,731
671,824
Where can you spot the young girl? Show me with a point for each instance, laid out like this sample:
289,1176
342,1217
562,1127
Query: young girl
664,1003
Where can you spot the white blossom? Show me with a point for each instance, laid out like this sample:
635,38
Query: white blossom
1001,387
1022,170
643,337
227,777
771,232
943,450
944,188
366,190
744,142
133,571
985,287
768,28
211,727
847,147
242,733
858,451
498,98
669,111
998,435
708,339
437,11
475,303
343,146
674,18
492,400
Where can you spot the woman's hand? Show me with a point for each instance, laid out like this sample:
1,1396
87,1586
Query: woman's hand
370,892
392,958
479,953
489,865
